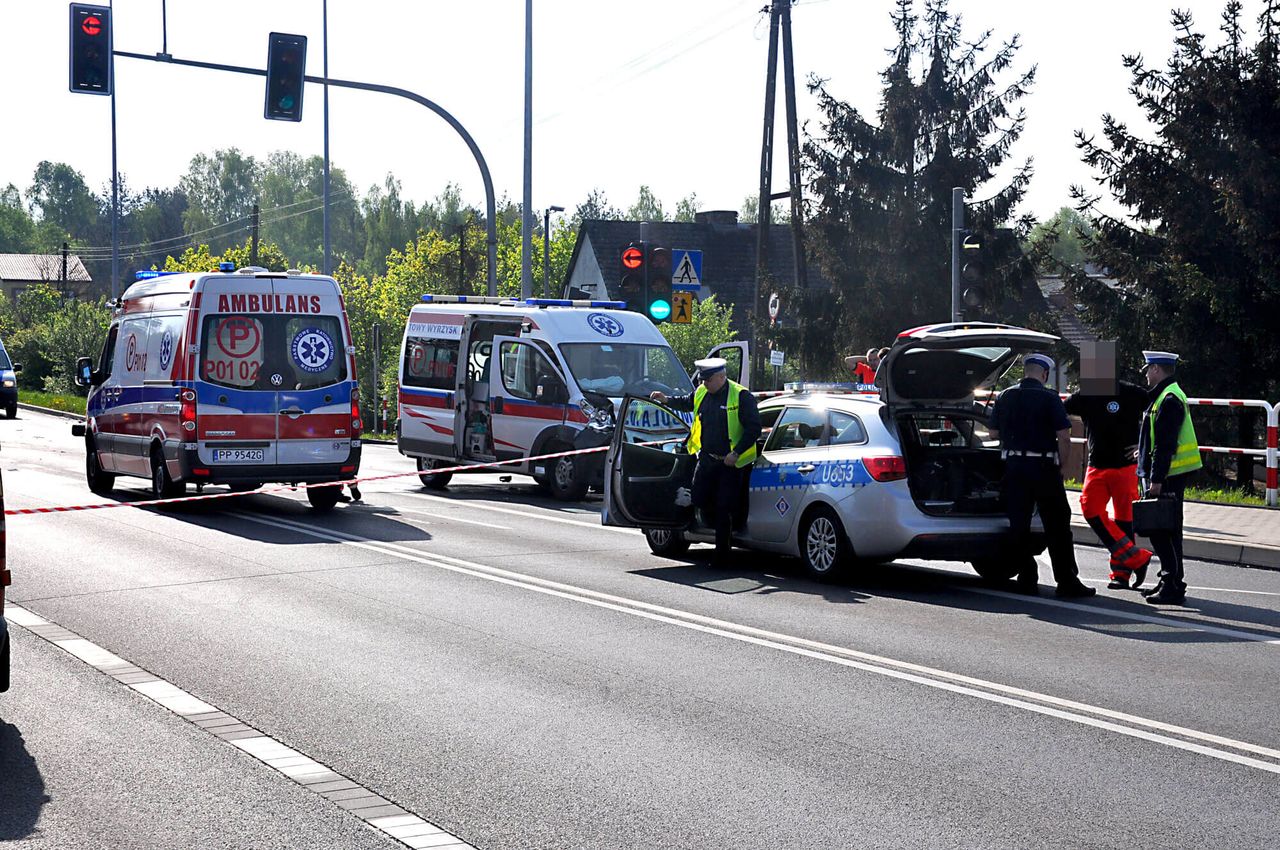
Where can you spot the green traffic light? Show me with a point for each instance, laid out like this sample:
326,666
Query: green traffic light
660,310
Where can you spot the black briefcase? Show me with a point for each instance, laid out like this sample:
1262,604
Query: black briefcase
1155,515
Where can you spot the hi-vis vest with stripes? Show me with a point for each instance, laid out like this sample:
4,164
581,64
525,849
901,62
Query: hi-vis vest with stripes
735,425
1186,458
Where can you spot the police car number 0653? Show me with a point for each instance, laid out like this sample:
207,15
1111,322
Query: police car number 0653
238,455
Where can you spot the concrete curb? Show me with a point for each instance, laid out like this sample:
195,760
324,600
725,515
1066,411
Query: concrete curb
1202,549
35,408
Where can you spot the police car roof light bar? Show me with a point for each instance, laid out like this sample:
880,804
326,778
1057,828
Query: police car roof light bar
820,387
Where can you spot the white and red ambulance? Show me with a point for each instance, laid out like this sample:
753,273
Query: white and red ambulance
488,379
235,377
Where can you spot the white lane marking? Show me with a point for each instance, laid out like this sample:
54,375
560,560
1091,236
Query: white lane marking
1106,610
490,506
932,677
302,769
1194,587
454,518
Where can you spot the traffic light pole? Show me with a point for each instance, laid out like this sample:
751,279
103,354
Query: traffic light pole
957,233
491,227
115,201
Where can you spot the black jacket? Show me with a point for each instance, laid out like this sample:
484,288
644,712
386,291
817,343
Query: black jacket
1154,460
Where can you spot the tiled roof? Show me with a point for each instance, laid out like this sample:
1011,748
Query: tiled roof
35,267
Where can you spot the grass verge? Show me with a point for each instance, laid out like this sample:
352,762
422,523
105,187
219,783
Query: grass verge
69,403
1217,496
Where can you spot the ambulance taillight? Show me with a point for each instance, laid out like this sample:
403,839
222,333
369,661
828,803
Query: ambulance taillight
356,422
188,413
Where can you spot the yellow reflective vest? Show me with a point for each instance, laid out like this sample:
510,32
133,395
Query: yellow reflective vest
735,424
1186,457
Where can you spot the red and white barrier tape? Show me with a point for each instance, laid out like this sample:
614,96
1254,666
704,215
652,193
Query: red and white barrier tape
148,503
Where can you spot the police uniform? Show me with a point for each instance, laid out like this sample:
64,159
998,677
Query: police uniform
1028,418
724,422
1112,422
1168,452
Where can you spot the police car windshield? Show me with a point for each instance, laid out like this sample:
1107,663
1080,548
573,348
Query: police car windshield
259,351
616,370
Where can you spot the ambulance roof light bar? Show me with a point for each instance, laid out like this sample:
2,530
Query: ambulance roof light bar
148,274
468,299
576,302
226,267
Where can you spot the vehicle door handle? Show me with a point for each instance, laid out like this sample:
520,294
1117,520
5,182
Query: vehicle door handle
806,469
292,412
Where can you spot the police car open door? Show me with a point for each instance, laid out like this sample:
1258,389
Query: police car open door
647,468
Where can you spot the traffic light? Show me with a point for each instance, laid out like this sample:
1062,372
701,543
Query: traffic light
632,278
286,67
974,272
658,284
90,49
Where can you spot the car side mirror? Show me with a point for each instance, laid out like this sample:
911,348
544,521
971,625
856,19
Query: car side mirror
17,367
84,372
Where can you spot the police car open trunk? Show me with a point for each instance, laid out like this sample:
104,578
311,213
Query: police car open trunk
928,382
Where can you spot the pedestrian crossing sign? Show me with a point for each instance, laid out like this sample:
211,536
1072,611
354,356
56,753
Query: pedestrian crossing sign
686,271
682,307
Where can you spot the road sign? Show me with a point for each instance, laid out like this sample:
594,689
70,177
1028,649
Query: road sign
681,307
775,358
775,305
687,268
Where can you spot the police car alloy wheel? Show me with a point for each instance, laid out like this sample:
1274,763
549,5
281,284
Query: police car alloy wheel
823,547
433,482
666,542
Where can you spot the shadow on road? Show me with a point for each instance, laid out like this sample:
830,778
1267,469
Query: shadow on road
21,786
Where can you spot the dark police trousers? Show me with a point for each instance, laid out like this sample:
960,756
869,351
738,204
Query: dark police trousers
717,491
1168,544
1031,482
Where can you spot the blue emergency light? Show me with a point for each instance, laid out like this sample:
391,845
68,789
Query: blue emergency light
566,302
148,274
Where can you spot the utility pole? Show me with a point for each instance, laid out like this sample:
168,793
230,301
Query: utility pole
957,234
253,231
546,249
779,24
65,248
526,213
115,180
328,263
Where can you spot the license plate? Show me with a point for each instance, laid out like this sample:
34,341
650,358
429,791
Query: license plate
239,455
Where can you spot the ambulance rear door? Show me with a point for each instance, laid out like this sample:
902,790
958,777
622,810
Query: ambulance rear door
236,397
309,353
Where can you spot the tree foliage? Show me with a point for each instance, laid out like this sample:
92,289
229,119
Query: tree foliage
1196,264
712,325
881,224
1061,241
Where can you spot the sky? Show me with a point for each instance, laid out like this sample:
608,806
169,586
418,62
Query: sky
664,93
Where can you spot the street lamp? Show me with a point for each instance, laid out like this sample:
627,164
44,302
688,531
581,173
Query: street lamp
546,250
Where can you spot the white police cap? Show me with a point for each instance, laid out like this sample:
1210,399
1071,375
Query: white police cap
1041,360
1160,358
708,367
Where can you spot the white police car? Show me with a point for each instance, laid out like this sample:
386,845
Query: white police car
845,476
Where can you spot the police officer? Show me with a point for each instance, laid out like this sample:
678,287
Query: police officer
1035,434
726,425
1168,453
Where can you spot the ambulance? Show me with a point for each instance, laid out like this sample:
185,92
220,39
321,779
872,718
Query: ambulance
488,379
239,377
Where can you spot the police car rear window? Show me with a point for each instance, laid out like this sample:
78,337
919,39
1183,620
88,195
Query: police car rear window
272,352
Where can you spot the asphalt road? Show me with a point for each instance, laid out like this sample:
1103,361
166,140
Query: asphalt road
503,666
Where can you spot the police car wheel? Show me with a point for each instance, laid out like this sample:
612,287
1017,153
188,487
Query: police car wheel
666,542
433,482
996,569
565,480
824,548
99,481
324,498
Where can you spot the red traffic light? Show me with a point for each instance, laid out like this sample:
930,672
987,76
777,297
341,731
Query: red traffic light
91,25
632,258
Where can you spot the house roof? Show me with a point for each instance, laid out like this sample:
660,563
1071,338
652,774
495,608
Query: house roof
728,252
38,267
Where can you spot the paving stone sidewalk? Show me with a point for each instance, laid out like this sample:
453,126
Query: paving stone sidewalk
1227,533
